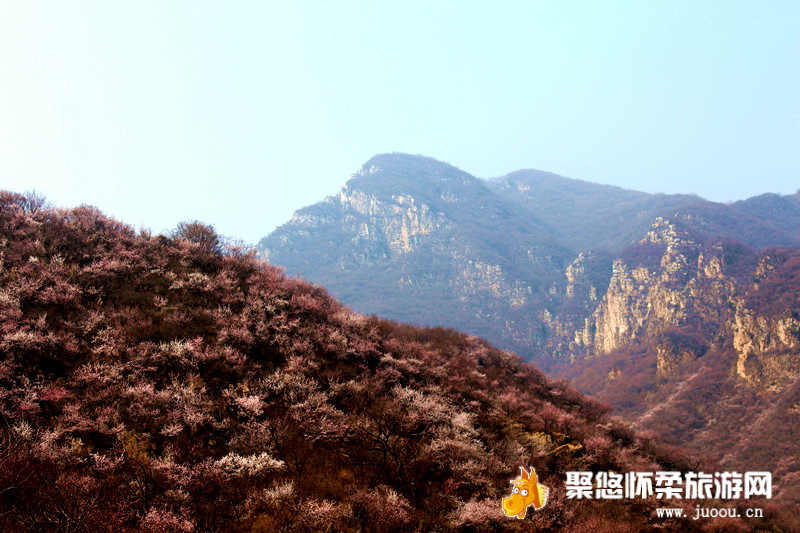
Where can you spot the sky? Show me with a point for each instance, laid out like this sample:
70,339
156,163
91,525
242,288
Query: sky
239,113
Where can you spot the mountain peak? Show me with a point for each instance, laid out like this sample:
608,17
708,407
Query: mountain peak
399,160
389,159
406,171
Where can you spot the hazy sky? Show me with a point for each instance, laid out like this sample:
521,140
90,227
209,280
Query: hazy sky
238,113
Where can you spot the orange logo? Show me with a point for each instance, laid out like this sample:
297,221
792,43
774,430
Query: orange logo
527,491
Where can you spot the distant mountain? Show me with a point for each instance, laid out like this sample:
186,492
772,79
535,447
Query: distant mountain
414,239
584,215
446,248
774,209
679,312
166,384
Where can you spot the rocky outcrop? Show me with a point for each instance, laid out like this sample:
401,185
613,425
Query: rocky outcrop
767,347
681,297
660,283
399,222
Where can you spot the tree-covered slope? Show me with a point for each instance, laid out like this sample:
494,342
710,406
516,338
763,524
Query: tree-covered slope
150,383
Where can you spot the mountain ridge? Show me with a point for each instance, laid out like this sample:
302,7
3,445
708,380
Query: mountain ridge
418,225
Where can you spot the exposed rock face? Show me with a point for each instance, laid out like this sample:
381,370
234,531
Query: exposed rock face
696,288
768,349
665,280
571,330
399,222
579,283
766,325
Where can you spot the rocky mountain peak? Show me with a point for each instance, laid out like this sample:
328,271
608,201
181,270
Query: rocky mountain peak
406,174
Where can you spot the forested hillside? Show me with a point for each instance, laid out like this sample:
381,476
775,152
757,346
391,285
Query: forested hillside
155,383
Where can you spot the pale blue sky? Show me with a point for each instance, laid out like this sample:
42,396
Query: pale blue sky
238,113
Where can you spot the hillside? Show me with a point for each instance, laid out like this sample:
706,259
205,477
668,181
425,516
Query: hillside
152,383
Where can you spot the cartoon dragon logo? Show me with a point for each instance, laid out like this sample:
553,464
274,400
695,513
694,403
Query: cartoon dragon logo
527,491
